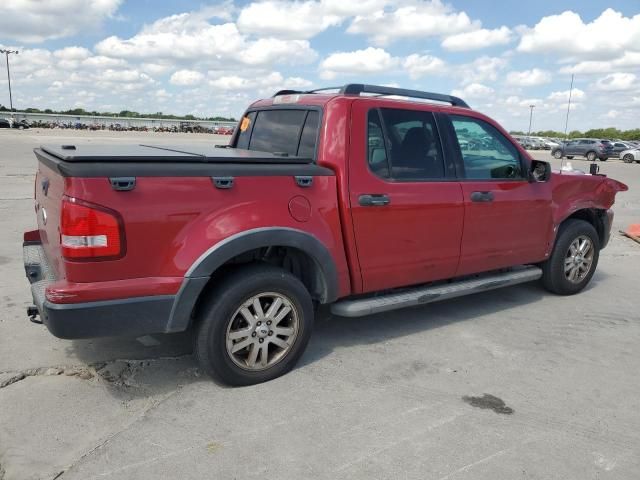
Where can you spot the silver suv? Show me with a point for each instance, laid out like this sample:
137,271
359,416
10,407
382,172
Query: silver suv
584,147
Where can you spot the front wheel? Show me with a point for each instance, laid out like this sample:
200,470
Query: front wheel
557,154
574,258
628,158
254,327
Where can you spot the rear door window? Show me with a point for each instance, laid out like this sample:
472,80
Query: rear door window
412,143
291,132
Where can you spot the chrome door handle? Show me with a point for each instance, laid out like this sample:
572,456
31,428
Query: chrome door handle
482,197
374,200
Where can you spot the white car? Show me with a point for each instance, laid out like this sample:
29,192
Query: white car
631,155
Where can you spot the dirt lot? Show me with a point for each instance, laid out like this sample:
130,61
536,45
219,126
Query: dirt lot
387,396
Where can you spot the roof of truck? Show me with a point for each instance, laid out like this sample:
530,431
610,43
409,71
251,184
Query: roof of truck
323,95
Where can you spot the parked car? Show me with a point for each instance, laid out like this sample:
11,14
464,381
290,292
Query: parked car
19,124
525,142
631,155
356,199
550,144
585,147
619,147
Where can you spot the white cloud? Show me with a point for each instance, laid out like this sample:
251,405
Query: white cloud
168,38
265,51
420,65
295,20
477,39
191,38
576,95
186,77
566,34
72,53
612,114
616,82
413,19
34,21
528,78
626,61
473,90
482,69
266,83
367,61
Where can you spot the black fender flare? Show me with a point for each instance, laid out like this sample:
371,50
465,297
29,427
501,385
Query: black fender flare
200,272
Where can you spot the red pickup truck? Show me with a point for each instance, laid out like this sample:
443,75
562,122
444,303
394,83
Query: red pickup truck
363,198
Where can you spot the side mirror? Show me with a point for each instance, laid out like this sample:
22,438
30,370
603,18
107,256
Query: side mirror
539,171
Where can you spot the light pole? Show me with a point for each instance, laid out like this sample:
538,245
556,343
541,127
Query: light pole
6,54
530,117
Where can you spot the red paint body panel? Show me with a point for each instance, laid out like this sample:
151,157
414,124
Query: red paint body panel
416,238
515,228
430,231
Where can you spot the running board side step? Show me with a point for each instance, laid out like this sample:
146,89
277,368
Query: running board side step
429,294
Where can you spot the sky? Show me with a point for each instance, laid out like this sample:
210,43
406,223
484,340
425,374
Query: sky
211,58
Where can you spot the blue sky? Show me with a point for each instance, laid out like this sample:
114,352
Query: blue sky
213,58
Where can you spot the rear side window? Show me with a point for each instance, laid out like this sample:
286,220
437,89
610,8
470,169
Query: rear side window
293,132
411,144
309,134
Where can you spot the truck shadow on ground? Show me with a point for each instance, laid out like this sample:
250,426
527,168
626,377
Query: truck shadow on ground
165,363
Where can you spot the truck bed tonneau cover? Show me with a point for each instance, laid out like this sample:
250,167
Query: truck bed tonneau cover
160,153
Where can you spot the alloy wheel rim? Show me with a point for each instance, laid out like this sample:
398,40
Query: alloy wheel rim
579,259
262,331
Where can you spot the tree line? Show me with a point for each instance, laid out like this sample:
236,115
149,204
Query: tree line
123,113
604,133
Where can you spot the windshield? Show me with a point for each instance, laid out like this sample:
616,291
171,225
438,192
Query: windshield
284,131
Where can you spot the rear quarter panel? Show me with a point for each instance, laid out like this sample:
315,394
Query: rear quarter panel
170,221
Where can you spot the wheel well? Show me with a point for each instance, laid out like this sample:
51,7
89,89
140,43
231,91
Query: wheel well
297,262
593,216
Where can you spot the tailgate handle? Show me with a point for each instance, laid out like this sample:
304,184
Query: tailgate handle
123,184
223,183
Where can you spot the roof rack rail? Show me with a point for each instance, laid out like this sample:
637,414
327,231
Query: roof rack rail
358,88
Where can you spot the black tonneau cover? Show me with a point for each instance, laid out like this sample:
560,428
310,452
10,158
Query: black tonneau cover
160,153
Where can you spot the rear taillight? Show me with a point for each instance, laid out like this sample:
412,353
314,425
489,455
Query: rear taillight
89,231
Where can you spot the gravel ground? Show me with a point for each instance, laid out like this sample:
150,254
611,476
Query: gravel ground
514,383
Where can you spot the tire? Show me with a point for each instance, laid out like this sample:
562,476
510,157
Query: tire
221,315
628,158
570,157
557,154
591,156
557,271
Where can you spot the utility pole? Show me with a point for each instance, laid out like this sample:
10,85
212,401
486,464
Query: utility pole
530,117
6,54
566,123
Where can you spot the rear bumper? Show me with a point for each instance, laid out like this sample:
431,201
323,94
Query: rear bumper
130,316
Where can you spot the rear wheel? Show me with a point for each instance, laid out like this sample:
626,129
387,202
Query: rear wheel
254,327
591,156
574,258
628,158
